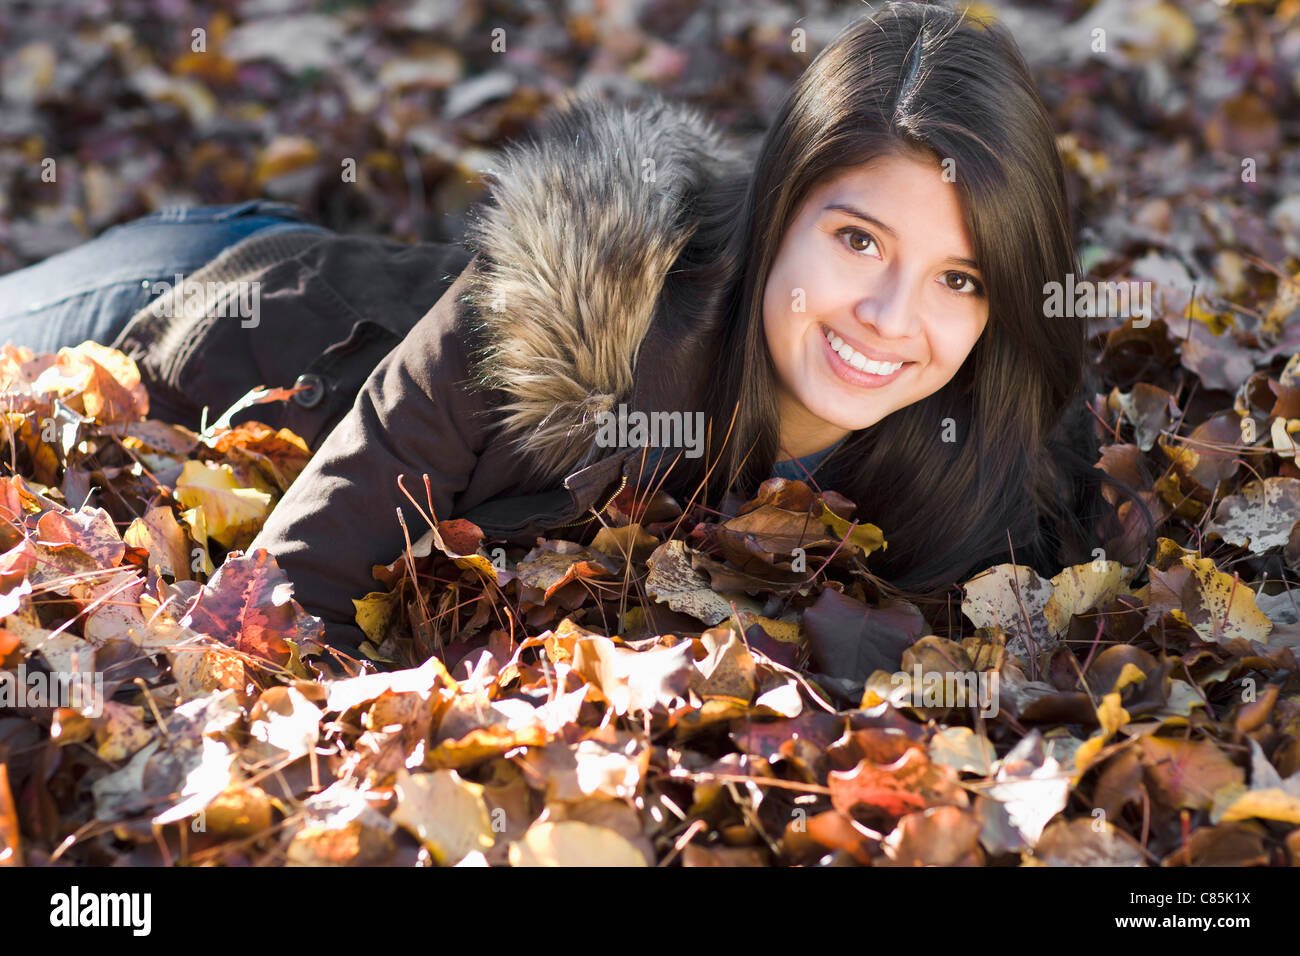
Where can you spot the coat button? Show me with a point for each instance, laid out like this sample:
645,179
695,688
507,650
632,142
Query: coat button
314,391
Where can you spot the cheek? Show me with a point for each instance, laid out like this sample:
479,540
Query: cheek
951,343
779,319
776,298
797,277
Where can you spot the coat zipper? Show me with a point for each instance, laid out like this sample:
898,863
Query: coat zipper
599,511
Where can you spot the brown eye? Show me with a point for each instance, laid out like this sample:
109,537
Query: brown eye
857,240
963,283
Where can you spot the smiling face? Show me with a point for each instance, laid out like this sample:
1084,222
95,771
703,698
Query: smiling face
880,260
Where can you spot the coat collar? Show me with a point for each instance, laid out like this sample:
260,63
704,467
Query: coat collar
582,225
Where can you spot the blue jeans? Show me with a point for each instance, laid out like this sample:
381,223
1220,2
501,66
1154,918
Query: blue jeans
92,290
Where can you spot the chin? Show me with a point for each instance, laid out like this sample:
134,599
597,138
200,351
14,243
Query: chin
861,423
850,423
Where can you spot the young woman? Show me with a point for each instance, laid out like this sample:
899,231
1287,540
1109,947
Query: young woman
862,300
867,291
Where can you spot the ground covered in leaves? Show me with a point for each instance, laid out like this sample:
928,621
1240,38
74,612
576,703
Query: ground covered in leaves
672,691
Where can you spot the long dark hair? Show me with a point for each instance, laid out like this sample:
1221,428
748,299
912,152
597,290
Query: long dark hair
915,78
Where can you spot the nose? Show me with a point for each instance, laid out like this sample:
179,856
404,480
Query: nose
888,308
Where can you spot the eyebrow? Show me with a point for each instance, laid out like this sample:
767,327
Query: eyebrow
857,213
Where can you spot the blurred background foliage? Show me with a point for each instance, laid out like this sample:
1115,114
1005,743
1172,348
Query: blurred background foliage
145,103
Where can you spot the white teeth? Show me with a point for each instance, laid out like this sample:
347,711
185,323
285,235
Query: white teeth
857,359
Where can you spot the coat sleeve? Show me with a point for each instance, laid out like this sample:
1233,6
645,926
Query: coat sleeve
413,415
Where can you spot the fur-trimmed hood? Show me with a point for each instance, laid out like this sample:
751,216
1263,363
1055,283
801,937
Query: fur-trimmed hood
582,225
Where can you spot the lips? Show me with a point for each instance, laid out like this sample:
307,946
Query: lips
878,364
859,378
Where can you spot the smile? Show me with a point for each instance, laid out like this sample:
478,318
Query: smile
876,371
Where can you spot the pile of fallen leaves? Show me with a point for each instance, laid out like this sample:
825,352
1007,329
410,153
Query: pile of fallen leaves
659,694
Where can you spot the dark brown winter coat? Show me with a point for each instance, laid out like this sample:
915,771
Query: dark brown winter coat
494,392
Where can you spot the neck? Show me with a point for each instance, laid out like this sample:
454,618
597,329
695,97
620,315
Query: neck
802,433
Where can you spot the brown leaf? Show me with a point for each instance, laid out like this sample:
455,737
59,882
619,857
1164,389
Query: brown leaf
103,383
340,828
280,455
248,605
837,831
89,529
939,836
849,639
1084,842
159,533
695,855
809,733
549,569
909,784
1226,844
1187,773
675,582
1147,408
728,670
628,543
1118,784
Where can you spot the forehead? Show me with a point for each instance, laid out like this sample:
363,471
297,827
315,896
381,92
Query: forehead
909,193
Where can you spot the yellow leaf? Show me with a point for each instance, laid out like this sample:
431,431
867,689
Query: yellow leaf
573,843
865,537
445,813
481,743
1283,433
1168,551
787,632
628,541
1227,607
1013,598
1287,301
477,562
233,514
240,810
121,732
1112,716
286,154
962,749
1129,674
283,724
196,520
1271,804
374,611
1079,589
1218,322
159,533
1111,713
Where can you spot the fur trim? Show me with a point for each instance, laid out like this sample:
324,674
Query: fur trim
582,226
